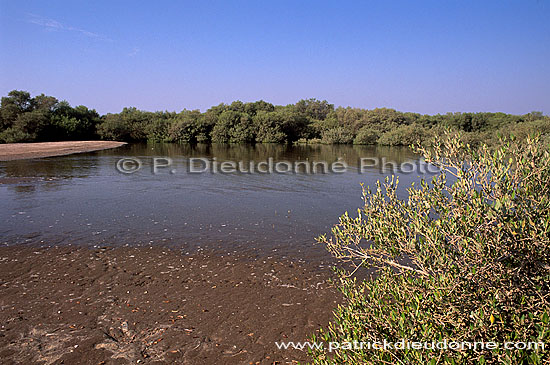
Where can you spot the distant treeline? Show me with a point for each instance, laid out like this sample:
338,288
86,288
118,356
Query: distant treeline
44,118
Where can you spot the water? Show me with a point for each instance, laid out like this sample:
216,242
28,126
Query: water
83,200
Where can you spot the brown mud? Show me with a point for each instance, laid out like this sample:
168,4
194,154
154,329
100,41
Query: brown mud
153,305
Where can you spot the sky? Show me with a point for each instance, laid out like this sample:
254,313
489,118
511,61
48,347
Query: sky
420,56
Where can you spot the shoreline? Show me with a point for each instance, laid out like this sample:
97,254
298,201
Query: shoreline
157,305
22,151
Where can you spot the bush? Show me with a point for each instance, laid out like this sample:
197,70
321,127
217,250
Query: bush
367,135
476,139
465,258
157,129
309,141
189,127
44,118
115,128
338,135
14,135
33,123
233,127
314,108
384,118
268,126
523,130
129,125
67,123
405,135
295,125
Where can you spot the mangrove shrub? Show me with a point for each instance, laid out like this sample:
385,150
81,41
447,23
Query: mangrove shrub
463,258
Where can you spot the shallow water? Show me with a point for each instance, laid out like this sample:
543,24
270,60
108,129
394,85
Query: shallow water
83,199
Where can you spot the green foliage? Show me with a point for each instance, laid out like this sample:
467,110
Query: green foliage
405,135
309,141
16,103
383,116
476,139
190,127
314,108
338,135
321,126
73,123
115,127
269,127
296,126
33,123
352,117
158,127
44,118
367,135
14,135
523,130
233,127
129,125
463,258
258,106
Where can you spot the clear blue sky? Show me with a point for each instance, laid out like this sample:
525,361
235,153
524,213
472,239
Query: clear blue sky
423,56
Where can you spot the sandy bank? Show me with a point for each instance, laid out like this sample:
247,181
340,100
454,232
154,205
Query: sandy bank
19,151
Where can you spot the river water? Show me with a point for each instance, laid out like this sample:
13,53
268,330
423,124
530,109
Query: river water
85,199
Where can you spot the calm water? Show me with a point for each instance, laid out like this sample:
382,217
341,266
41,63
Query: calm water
83,199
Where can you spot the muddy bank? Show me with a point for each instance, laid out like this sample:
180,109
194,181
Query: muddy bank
20,151
155,305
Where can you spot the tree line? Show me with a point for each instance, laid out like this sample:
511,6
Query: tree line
44,118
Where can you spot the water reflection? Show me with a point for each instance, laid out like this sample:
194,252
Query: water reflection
261,152
52,167
29,176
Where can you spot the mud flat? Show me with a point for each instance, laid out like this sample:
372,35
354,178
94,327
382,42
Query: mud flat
156,305
20,151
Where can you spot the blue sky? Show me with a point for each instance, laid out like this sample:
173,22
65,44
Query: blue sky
421,56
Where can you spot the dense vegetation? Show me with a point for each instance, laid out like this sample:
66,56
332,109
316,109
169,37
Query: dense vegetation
465,257
43,118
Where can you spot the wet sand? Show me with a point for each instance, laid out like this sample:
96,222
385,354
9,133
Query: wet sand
156,305
20,151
